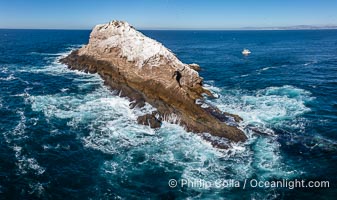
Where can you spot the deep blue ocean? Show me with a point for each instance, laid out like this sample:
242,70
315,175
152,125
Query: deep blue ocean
64,135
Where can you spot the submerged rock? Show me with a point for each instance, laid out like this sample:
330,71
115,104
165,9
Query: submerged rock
145,71
194,66
150,120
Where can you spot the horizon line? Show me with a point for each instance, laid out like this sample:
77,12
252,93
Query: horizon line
296,27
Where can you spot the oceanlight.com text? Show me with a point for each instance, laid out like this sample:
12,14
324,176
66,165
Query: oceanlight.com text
247,183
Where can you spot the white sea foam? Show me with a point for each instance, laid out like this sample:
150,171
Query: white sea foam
46,54
310,63
55,68
9,78
259,71
100,110
266,108
267,68
113,130
172,118
24,164
210,86
3,69
64,89
13,138
37,188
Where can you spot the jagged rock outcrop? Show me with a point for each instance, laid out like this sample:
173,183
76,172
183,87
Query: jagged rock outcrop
194,66
150,119
145,71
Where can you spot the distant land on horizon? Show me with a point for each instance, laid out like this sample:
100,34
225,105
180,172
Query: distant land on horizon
297,27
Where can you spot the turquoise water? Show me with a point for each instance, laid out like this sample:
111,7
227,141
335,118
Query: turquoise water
64,135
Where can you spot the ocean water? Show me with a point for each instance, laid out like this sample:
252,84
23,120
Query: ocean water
64,135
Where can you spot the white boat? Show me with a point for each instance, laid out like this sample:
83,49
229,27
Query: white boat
246,52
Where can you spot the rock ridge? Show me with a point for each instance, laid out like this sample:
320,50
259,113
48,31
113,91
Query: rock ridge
143,70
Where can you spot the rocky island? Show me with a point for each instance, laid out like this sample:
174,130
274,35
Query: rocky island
143,70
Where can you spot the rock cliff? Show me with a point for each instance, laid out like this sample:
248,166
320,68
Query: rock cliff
145,71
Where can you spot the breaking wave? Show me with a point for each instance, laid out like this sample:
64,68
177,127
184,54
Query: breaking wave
9,78
104,121
113,130
268,108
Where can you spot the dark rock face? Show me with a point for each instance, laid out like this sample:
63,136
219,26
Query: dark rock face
150,120
145,75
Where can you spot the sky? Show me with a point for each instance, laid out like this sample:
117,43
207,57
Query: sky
166,14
